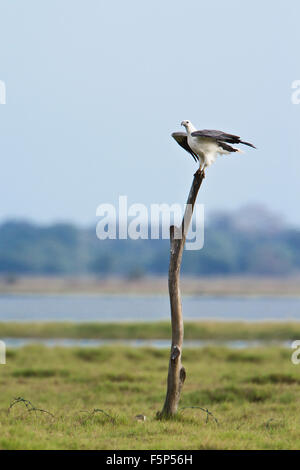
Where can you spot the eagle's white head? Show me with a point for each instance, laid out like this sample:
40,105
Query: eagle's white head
188,125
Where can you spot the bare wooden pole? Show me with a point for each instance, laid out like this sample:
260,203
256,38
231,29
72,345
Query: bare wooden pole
177,374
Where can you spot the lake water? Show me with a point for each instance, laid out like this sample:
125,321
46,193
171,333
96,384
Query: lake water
115,308
136,343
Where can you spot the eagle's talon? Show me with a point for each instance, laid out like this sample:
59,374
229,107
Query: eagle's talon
200,172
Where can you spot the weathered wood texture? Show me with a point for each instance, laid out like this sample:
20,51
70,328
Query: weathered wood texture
176,374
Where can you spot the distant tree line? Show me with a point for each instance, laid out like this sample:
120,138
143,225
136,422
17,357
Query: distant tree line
251,241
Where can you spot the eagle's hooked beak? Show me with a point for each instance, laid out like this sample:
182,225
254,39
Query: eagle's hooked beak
182,123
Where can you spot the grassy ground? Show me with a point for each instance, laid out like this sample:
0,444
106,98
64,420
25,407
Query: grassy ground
205,330
254,394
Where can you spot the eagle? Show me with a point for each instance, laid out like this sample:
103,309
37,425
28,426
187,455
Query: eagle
205,145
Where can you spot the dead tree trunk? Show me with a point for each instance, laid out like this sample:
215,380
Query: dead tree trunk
176,374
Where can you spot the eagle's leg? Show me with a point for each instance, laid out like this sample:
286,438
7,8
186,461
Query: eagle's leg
200,171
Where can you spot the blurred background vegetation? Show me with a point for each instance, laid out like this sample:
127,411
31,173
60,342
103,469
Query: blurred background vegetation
251,240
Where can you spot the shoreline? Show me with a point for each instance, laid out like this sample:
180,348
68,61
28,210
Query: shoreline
232,286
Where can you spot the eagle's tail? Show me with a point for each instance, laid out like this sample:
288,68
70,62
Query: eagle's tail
247,143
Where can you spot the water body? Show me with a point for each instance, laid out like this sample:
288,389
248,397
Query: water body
116,308
153,343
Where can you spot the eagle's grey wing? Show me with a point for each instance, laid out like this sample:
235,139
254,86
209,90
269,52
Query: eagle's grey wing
181,139
227,147
221,137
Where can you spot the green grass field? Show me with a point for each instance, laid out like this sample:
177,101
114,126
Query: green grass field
203,330
254,394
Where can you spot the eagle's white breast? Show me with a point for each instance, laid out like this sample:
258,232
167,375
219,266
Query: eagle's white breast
204,146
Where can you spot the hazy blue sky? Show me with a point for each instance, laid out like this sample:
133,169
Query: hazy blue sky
94,89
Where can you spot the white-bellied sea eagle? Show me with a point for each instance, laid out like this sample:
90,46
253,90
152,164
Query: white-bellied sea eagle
205,145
